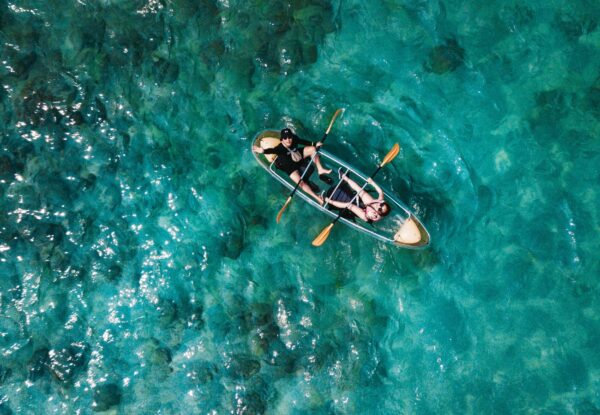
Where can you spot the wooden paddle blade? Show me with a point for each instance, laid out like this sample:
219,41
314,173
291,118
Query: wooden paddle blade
391,154
287,202
319,240
338,112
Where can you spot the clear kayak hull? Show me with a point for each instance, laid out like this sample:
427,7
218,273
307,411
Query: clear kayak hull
401,227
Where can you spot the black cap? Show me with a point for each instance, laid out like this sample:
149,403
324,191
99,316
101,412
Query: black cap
286,132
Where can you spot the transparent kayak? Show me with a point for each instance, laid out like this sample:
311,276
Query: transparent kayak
401,227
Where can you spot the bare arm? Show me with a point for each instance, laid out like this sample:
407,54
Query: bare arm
365,197
273,150
337,204
377,188
350,206
353,185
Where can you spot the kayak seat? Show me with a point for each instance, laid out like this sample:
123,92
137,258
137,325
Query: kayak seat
269,142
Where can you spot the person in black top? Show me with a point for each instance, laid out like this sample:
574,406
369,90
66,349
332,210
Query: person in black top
290,157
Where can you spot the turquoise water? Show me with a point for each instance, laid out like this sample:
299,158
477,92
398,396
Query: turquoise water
142,270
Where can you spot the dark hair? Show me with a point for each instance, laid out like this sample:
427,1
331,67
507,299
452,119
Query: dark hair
286,132
387,209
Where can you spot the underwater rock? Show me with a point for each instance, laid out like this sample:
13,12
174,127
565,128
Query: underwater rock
75,117
161,355
87,181
248,403
586,407
60,264
5,373
48,233
242,366
485,200
282,358
195,319
232,236
7,168
106,396
126,141
110,195
114,272
264,329
202,372
555,99
39,97
165,71
551,106
273,42
264,336
22,196
575,26
37,364
183,9
217,321
5,409
23,65
213,53
214,158
234,243
445,58
167,312
289,54
261,314
101,109
56,191
11,336
592,97
324,354
92,32
66,363
517,15
158,356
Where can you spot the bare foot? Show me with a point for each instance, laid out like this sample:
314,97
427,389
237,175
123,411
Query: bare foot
324,171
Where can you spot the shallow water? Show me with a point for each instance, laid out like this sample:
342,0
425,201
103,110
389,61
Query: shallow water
142,269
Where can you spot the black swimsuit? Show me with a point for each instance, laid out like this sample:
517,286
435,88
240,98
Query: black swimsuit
284,158
345,194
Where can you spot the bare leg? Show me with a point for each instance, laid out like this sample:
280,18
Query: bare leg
295,176
309,151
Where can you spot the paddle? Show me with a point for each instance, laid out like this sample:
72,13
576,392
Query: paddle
289,199
322,237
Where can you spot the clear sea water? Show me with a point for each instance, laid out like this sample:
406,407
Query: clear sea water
141,268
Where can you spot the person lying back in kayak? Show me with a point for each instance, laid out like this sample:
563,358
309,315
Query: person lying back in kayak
364,206
290,157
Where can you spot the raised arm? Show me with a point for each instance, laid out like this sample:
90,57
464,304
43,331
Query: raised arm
366,197
377,188
353,185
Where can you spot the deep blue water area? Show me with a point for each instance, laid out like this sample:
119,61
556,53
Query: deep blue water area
141,268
